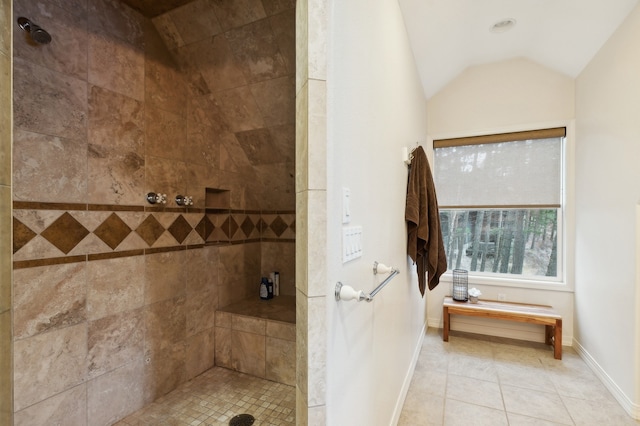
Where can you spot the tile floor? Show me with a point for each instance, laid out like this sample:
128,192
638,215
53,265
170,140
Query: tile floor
475,380
469,381
215,397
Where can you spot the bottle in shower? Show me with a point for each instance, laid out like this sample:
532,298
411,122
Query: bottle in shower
269,289
276,283
264,291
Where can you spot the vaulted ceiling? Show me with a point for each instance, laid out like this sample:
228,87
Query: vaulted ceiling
448,36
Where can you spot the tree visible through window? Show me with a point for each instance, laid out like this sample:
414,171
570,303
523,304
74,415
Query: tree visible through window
500,202
522,241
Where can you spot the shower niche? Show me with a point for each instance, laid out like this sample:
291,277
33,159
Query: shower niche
217,198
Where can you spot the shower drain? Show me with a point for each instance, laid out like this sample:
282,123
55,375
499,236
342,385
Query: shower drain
242,420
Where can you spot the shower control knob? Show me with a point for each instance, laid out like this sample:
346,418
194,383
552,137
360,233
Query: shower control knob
154,198
184,200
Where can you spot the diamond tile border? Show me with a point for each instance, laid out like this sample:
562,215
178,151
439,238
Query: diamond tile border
65,233
22,234
155,230
112,231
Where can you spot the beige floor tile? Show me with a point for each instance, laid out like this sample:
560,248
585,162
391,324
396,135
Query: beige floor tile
571,365
475,347
474,391
477,367
429,383
520,420
494,381
542,405
464,414
596,413
525,376
530,355
422,410
432,361
587,387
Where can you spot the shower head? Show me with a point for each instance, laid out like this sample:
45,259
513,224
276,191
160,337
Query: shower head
37,34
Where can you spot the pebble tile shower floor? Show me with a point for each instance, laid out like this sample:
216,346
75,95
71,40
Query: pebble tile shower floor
215,397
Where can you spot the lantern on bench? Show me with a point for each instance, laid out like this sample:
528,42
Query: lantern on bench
460,291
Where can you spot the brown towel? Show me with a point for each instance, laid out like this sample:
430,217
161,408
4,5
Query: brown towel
424,236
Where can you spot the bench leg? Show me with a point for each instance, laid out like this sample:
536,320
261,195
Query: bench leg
548,335
445,330
557,340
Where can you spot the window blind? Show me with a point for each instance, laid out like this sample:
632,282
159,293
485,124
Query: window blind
514,170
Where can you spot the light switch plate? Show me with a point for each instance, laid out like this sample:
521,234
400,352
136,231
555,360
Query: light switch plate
346,208
351,243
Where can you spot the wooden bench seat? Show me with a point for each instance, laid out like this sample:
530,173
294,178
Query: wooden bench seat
533,314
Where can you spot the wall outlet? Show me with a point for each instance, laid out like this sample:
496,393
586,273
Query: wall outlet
502,297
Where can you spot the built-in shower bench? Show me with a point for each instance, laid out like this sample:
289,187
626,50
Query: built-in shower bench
521,312
258,337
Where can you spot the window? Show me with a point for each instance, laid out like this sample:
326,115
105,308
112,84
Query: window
500,199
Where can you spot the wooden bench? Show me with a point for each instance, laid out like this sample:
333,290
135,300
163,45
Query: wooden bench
533,314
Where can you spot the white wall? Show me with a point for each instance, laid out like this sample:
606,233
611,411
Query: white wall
509,94
500,97
607,196
375,107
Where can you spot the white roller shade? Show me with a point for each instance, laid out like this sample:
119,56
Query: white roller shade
525,173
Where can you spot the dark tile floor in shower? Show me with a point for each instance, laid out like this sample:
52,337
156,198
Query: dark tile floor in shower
215,397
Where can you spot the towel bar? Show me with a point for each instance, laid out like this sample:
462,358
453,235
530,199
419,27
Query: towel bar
346,292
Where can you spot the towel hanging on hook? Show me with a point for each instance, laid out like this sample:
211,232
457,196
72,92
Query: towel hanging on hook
424,235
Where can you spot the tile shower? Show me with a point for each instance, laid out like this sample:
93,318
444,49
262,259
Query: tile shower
115,299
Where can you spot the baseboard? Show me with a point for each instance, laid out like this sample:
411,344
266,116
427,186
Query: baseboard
407,378
434,322
627,404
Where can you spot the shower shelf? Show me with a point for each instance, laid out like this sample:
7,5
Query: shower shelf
217,198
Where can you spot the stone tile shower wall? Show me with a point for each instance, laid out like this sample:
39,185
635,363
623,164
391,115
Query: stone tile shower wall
114,299
5,214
